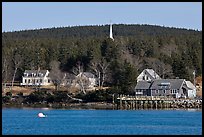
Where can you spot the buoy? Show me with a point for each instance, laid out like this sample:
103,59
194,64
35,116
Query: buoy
41,115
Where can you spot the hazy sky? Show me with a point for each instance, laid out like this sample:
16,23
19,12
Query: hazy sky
34,15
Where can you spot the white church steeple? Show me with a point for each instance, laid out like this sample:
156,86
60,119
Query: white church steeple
111,31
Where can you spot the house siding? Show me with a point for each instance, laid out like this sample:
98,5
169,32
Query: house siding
31,78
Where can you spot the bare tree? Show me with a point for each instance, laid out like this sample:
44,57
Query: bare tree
100,70
4,72
55,74
162,68
104,66
95,67
80,79
17,60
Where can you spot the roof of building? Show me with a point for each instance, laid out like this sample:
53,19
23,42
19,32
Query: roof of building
29,72
160,84
152,73
190,85
88,75
68,76
171,83
143,85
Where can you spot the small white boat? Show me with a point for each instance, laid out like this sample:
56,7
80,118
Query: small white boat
41,115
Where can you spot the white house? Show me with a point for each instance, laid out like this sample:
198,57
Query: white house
191,89
35,77
148,75
87,79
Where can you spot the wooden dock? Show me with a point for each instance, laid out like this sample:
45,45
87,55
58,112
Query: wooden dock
147,102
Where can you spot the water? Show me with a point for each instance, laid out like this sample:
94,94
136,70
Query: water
101,122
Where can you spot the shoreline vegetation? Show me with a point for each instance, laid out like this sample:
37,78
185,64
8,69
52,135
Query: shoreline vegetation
105,106
103,99
88,106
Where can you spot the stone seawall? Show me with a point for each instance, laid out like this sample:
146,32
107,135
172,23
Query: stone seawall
158,104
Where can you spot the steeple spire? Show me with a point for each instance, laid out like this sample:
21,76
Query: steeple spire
111,33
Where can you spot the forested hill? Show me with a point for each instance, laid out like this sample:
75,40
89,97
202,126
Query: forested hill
171,52
99,31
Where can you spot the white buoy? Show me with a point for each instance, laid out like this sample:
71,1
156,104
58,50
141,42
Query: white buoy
41,115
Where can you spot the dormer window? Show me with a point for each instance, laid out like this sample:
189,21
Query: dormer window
25,74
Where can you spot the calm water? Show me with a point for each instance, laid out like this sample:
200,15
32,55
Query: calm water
103,122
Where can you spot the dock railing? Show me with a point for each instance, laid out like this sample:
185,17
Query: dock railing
127,97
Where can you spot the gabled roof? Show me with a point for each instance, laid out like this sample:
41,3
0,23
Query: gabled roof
143,85
174,83
29,72
68,76
152,73
190,85
88,75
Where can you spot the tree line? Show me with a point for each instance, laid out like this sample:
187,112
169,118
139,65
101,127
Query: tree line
171,52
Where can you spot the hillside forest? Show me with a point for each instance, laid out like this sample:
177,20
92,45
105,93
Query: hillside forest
171,52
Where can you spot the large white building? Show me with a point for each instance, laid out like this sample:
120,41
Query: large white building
35,77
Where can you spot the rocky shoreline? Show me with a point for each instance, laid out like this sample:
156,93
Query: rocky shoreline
90,105
179,104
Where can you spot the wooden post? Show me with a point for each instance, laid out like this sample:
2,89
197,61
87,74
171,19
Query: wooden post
133,105
113,102
120,102
141,104
151,104
161,103
156,104
125,105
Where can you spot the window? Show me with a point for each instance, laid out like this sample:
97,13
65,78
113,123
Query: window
40,80
164,91
48,80
28,80
25,80
143,77
173,91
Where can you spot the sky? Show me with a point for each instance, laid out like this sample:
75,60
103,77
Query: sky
35,15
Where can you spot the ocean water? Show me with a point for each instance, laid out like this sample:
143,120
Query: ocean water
101,122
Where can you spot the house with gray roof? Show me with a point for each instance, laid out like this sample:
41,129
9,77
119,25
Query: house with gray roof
89,80
164,87
36,77
142,88
167,87
148,75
